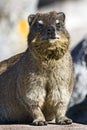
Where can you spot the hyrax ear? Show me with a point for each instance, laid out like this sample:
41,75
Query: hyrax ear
31,18
61,16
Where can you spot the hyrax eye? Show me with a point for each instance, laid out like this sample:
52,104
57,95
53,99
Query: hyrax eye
39,24
57,23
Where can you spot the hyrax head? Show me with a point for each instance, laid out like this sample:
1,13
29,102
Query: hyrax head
48,38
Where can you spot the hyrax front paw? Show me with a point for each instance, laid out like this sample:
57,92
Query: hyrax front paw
39,123
63,121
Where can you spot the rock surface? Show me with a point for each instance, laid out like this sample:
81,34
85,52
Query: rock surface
78,112
48,127
79,54
78,103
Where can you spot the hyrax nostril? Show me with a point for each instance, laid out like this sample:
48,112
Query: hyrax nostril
50,30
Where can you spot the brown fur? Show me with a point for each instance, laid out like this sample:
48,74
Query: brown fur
37,88
4,65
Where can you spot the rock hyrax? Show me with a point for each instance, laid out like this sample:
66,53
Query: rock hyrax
37,88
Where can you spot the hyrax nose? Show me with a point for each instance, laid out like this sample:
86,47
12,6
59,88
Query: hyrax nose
51,31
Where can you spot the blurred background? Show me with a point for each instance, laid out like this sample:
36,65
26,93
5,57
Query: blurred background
13,40
14,27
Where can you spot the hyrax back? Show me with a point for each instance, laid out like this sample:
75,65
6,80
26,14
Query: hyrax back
4,65
37,88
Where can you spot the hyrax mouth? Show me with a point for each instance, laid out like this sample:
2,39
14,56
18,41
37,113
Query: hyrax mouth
53,44
50,48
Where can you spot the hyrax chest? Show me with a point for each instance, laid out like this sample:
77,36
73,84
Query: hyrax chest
52,96
56,87
52,90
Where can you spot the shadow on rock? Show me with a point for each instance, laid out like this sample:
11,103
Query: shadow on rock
78,113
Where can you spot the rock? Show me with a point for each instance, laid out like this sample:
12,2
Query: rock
79,54
78,113
13,26
78,103
45,2
48,127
